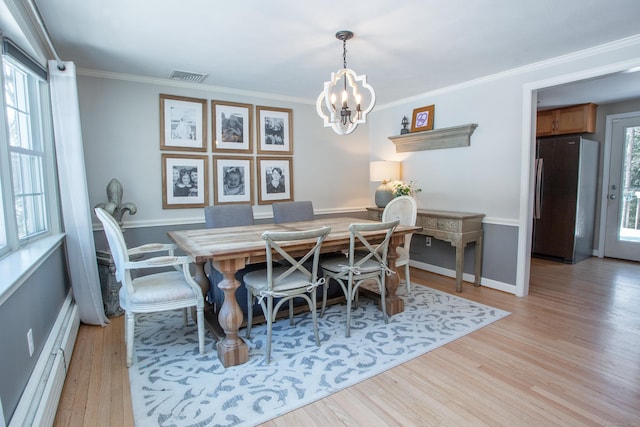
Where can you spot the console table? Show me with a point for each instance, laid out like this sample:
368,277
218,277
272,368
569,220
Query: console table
457,228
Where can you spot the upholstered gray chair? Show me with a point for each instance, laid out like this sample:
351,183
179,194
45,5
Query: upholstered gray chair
405,209
228,215
287,280
366,261
161,291
220,216
292,211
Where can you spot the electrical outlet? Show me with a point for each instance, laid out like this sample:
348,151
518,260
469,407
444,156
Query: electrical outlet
30,342
427,241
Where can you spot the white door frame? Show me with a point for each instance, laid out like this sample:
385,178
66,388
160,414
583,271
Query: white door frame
527,158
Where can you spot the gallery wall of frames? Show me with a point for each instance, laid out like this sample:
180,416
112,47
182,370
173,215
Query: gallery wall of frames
241,168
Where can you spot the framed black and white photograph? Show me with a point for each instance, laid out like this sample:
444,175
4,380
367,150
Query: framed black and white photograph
275,180
184,181
232,126
275,130
183,123
233,177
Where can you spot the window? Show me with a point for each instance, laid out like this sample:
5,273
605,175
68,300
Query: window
26,153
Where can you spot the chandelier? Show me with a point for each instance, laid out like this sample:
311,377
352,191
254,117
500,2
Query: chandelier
349,86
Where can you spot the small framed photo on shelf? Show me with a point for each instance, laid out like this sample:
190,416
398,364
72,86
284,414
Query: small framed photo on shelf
183,123
184,181
422,119
275,180
232,126
233,177
275,130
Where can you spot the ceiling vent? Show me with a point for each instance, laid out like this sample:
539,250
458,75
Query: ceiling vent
186,76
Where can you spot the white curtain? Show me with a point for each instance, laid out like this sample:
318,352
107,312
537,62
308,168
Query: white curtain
76,212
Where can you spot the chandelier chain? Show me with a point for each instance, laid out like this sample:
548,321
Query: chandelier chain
344,52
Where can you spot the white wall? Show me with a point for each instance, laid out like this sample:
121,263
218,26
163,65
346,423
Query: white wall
492,175
121,132
470,178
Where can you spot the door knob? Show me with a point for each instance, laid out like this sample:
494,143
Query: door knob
612,196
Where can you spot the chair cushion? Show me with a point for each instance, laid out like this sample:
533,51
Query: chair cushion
258,280
159,287
340,264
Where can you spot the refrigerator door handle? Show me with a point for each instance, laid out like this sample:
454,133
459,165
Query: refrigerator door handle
537,208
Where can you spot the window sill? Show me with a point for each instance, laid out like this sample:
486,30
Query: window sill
16,267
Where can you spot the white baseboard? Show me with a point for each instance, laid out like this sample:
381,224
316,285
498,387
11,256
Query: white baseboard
493,284
39,400
2,423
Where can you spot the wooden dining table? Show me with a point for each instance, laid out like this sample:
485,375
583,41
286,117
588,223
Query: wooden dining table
231,249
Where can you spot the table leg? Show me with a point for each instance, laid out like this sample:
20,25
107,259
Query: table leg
232,350
459,265
478,271
394,304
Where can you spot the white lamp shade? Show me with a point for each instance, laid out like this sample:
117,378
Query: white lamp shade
384,171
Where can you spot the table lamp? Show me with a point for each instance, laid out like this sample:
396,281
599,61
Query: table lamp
385,172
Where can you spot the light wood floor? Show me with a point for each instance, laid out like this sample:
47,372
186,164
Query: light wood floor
568,355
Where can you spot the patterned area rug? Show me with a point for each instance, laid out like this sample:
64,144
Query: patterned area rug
173,385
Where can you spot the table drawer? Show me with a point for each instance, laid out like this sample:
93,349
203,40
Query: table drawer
441,224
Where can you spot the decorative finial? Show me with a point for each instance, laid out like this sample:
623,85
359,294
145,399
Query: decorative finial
114,206
405,123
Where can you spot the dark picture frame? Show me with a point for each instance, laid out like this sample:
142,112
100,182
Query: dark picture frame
275,130
183,123
185,181
232,124
269,190
422,118
233,178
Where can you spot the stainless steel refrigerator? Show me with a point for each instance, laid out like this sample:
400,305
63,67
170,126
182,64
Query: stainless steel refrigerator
565,198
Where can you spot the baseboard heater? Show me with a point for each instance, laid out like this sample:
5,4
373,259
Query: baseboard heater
39,401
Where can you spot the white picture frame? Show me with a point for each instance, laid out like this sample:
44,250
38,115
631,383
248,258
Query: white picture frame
232,124
275,130
178,191
268,192
183,123
233,178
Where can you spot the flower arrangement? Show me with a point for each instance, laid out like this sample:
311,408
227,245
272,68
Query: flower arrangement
402,189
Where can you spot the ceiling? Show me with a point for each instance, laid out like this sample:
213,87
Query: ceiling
289,47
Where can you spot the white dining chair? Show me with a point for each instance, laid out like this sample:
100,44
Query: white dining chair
168,290
366,261
405,209
287,280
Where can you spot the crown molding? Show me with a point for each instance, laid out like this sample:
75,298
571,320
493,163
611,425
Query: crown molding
558,60
188,85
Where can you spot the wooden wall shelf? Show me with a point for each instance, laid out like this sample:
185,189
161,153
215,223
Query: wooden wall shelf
457,136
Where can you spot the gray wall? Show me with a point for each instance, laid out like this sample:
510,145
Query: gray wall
34,305
498,256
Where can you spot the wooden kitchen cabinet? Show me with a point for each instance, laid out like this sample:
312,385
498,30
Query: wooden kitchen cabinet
561,121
